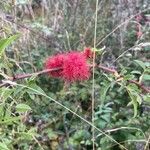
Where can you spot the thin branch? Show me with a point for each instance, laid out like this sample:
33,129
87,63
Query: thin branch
113,71
23,76
107,69
121,128
33,74
146,89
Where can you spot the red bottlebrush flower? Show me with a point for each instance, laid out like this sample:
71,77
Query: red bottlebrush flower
55,62
88,53
75,67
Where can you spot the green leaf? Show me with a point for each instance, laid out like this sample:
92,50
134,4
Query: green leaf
32,131
6,42
3,146
9,120
147,64
29,134
22,2
80,135
108,110
104,91
146,77
5,93
36,87
147,98
106,117
139,99
135,100
136,72
22,108
140,63
101,123
99,51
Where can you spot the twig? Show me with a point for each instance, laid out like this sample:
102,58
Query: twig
147,143
121,128
146,89
113,71
23,76
107,69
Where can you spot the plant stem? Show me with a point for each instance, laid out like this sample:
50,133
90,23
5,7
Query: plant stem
23,76
93,78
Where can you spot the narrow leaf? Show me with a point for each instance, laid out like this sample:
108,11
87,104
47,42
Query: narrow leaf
104,91
6,42
140,63
146,77
134,101
3,146
23,108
